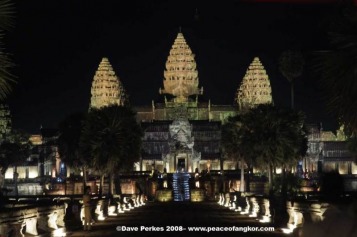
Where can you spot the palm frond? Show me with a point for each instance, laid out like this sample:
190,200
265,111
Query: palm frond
7,13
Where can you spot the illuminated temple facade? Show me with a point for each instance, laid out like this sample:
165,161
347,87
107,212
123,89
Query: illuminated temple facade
182,132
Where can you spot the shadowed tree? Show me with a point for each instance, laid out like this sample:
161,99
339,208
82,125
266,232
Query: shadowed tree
111,138
337,70
13,152
70,130
234,142
291,65
269,136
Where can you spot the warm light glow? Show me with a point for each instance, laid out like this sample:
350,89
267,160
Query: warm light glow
265,219
278,170
291,227
59,233
52,220
9,173
287,230
33,173
36,139
239,209
221,200
99,212
31,226
111,211
101,218
53,172
233,207
246,210
255,209
119,208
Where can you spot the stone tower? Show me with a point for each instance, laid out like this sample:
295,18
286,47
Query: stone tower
5,121
181,76
255,87
107,89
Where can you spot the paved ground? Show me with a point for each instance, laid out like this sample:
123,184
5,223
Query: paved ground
174,215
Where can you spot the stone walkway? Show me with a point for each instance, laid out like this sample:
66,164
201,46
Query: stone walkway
174,215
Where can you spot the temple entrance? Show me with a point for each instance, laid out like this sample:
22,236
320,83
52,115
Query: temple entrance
181,156
181,164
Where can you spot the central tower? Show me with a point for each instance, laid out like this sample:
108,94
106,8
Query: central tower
181,76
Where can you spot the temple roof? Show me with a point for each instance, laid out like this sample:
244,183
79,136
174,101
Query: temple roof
106,87
181,76
255,87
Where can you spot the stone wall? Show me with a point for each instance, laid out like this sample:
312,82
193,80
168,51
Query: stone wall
25,189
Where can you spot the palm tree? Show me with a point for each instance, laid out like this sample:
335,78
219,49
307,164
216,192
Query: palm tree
291,64
269,136
6,23
111,138
70,130
234,143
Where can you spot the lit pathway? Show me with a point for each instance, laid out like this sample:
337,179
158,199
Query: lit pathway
208,214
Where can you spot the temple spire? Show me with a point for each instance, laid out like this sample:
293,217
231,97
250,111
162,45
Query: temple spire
255,87
107,89
181,76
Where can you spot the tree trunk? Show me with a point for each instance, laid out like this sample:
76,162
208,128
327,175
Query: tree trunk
101,185
283,183
2,179
15,181
241,188
111,184
270,176
117,184
84,170
248,178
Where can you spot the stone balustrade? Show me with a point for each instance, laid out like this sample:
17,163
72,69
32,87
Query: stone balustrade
38,218
18,221
298,213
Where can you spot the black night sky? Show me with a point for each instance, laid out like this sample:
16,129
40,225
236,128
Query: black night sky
57,47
